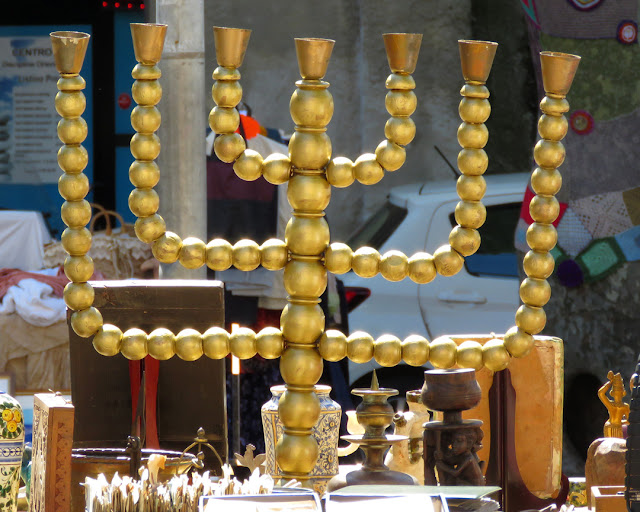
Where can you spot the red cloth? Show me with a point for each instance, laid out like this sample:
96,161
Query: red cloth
524,211
250,126
12,276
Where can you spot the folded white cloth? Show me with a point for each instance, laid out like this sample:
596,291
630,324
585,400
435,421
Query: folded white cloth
34,302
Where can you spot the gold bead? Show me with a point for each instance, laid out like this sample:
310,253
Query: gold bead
474,110
73,187
71,83
400,82
78,296
270,343
242,343
219,255
471,188
387,350
189,345
390,156
473,136
224,119
495,355
145,146
360,347
229,146
394,266
535,292
447,261
134,344
365,262
274,254
310,150
552,127
78,269
473,162
340,172
541,237
193,253
305,279
144,202
367,170
86,323
544,209
307,236
145,119
76,214
422,269
337,258
308,193
546,181
311,108
538,264
300,366
166,249
161,344
518,343
146,92
276,168
302,323
149,229
144,174
248,166
227,93
332,345
296,454
401,103
72,131
107,340
415,350
215,343
555,106
246,255
72,159
469,355
70,104
299,409
464,241
470,214
530,319
76,241
474,91
400,130
549,154
146,72
442,352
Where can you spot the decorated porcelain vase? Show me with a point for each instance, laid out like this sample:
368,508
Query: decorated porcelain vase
326,433
11,447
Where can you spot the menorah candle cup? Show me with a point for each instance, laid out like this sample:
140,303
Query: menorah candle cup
69,49
313,57
148,41
402,51
558,70
476,58
231,45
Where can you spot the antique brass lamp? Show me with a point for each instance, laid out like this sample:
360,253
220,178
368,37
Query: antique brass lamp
306,254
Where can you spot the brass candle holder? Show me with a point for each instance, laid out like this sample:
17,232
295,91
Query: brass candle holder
375,414
306,254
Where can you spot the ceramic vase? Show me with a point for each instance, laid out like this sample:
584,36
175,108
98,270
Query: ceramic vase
11,447
326,433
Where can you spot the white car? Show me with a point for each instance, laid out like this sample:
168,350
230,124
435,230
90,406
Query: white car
481,298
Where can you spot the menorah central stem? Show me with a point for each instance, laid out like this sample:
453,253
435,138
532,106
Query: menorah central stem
305,277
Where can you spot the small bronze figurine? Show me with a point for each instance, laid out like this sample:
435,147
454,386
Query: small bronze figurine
618,410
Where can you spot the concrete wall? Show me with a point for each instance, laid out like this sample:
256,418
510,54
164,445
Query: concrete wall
357,73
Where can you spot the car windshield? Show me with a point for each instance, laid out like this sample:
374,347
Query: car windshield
378,228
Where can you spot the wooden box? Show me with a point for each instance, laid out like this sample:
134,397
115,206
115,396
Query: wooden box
608,498
52,444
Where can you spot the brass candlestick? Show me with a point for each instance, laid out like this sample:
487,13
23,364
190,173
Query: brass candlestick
306,255
375,414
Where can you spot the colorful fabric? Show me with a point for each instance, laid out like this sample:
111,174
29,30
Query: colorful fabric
529,7
603,214
572,235
584,19
627,32
631,200
629,243
570,273
581,122
526,201
601,258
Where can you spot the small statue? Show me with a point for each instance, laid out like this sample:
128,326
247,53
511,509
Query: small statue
455,456
618,410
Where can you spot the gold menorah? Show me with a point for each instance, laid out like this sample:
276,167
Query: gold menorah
306,254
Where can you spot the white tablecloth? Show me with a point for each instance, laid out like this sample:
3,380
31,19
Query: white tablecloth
22,238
